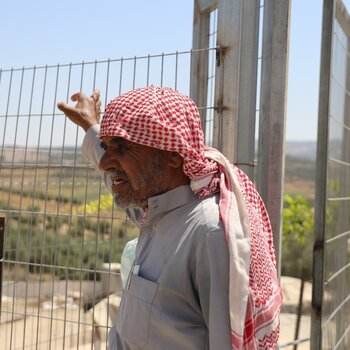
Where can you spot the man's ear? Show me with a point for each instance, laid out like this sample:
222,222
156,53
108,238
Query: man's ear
175,160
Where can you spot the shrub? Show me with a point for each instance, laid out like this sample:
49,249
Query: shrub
297,240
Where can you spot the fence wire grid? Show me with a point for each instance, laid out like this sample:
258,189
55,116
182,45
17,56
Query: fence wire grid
63,238
336,314
332,268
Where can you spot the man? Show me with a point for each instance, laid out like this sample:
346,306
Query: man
204,274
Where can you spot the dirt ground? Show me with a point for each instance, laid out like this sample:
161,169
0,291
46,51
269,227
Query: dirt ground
59,323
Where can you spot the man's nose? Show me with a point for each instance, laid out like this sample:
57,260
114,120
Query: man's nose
108,161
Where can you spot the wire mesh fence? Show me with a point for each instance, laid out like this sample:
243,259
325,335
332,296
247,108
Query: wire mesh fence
332,267
63,238
336,314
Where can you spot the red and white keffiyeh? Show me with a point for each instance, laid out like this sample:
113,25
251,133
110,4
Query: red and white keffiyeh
165,119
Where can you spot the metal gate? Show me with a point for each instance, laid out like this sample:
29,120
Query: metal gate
62,236
331,273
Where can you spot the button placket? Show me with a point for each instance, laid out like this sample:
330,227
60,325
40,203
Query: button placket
155,203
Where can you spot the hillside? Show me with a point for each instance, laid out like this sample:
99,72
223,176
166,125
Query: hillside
300,168
300,176
301,149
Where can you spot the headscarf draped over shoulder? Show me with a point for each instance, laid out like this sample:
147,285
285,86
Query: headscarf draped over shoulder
165,119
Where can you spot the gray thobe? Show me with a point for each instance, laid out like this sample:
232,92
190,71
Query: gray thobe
176,297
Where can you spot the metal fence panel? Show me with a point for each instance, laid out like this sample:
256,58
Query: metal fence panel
62,234
63,237
331,297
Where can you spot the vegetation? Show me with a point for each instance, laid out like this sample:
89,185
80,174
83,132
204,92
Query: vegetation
300,177
43,196
297,241
67,229
69,246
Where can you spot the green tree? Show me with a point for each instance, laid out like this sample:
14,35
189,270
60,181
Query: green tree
297,241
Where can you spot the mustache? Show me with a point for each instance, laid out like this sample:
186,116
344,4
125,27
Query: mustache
117,173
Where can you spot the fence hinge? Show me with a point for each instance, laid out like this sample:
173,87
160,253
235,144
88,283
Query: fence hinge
220,50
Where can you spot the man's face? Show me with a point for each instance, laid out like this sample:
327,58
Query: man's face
136,171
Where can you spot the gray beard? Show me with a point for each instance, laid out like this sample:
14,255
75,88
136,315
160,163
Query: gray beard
151,179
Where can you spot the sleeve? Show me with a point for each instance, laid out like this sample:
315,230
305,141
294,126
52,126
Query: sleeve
93,152
212,283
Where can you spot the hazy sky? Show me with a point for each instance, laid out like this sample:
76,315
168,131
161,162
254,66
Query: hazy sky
40,32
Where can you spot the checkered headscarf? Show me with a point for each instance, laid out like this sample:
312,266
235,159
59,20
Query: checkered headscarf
165,119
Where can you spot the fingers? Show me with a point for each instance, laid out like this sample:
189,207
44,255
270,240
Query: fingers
98,105
96,95
86,112
65,108
77,96
96,98
82,102
62,106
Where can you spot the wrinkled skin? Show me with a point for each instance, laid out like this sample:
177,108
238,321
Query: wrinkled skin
137,172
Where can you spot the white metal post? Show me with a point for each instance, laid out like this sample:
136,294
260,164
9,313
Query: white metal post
321,176
199,59
236,81
270,175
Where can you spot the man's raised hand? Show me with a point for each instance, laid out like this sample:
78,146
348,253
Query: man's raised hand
86,112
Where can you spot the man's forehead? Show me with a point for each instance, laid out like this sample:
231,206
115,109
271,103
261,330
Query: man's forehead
114,139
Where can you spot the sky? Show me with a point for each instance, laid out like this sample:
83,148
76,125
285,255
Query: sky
41,32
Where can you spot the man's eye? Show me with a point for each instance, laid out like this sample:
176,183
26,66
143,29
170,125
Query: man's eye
103,145
121,148
119,145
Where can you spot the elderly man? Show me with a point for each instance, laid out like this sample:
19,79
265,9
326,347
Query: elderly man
204,274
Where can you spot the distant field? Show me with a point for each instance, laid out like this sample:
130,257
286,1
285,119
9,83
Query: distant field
61,189
56,222
56,217
300,177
